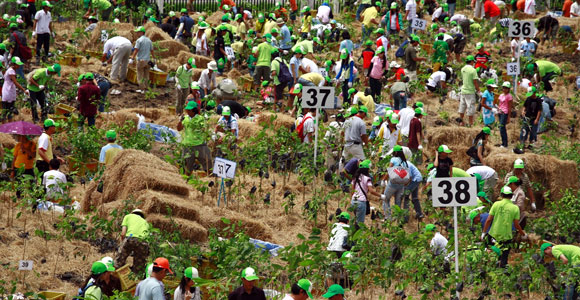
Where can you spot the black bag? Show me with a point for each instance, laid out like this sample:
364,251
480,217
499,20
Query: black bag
284,75
472,151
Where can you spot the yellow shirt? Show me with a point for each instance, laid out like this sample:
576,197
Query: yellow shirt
237,47
268,26
368,15
137,227
242,29
306,24
313,77
366,101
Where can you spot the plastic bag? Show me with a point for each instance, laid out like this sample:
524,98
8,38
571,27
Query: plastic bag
161,133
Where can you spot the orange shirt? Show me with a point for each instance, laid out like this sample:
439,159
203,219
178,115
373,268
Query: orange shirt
566,8
521,4
25,158
230,3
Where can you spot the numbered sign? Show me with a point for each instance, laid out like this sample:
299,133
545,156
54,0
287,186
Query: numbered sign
513,69
230,53
25,265
454,191
318,97
521,29
418,24
224,168
104,36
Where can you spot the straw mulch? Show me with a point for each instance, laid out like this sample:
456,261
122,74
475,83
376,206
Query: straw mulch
7,141
171,48
189,229
155,33
216,18
166,204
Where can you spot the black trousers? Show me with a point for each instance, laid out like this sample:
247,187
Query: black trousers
39,97
375,86
42,40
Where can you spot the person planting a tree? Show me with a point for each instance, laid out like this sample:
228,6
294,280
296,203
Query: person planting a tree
194,139
135,230
36,86
570,256
248,290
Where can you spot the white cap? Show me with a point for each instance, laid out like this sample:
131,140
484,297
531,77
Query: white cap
212,65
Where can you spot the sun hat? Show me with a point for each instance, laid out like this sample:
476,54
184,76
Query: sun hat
491,82
306,285
506,190
430,227
394,118
162,262
506,84
472,215
343,54
420,110
531,91
486,130
50,123
55,68
140,29
111,134
365,164
513,179
544,247
344,215
100,267
479,45
191,105
212,65
397,148
16,60
444,148
470,58
226,111
297,89
249,274
191,273
334,289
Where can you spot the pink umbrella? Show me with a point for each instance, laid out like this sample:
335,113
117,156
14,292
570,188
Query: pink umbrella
21,128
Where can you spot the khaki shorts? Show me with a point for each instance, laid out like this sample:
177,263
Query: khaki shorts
467,103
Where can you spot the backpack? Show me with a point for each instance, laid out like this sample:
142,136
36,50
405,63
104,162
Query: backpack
472,152
399,174
81,294
284,75
300,128
401,51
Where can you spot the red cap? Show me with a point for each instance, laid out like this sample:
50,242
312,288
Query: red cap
162,262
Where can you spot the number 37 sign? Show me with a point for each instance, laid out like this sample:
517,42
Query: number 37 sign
318,97
454,191
224,168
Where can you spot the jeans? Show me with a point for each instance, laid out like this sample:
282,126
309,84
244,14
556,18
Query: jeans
544,116
503,130
104,86
400,101
305,82
570,292
42,41
413,189
529,129
390,190
360,9
41,99
360,210
366,32
451,9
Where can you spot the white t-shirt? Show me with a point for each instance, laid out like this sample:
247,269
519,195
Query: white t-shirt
438,244
530,7
411,7
337,235
201,42
323,14
389,138
9,88
393,21
308,127
43,20
435,78
484,171
458,17
447,37
52,180
578,46
405,116
44,142
205,82
115,42
515,48
437,13
288,297
575,9
309,65
229,126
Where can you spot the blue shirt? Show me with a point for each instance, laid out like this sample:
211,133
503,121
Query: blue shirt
105,149
187,23
351,166
295,66
346,44
528,49
415,173
285,38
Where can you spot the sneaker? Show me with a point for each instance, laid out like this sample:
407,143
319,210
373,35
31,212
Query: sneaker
503,147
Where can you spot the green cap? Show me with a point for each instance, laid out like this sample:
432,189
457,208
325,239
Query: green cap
343,54
24,5
530,68
397,148
446,18
275,30
506,190
491,82
16,60
191,105
210,104
226,111
453,23
306,285
153,19
544,247
195,86
55,68
344,215
365,164
353,111
351,91
363,109
394,118
483,195
430,166
419,104
434,26
317,40
306,9
328,63
172,14
369,43
140,29
111,134
486,130
472,215
89,76
380,31
99,268
191,62
226,17
265,83
249,274
444,148
46,3
394,5
333,290
531,91
419,110
297,89
249,109
377,121
50,123
191,273
183,10
513,179
496,250
470,58
13,25
430,227
381,49
519,164
479,45
2,46
416,39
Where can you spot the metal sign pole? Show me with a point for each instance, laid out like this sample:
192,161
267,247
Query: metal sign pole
456,245
519,67
316,135
222,190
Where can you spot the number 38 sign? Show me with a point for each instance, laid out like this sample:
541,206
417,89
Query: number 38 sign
318,97
454,191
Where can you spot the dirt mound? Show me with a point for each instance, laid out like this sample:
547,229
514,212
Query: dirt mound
554,174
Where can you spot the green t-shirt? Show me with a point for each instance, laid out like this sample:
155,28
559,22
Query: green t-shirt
264,55
571,252
93,293
296,103
457,172
275,67
183,77
194,131
136,226
251,61
504,213
101,4
545,67
306,45
440,54
468,74
41,77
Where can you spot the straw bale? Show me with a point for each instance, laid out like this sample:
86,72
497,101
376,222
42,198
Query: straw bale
248,129
282,120
554,174
216,18
7,140
200,61
451,136
171,48
212,218
189,229
155,33
166,204
234,74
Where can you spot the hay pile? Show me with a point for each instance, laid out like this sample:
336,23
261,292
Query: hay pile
7,141
171,48
215,19
155,33
282,120
554,174
458,139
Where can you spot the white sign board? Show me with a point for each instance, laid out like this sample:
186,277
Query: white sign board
230,53
25,265
454,191
418,24
104,36
318,97
224,168
513,69
521,29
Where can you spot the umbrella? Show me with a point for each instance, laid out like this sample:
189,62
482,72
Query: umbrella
21,128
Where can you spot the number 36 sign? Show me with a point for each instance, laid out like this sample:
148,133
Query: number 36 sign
454,191
521,29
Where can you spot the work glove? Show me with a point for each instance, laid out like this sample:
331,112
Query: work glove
178,86
383,197
53,34
41,87
131,61
383,183
349,85
482,236
27,93
533,206
34,33
420,147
